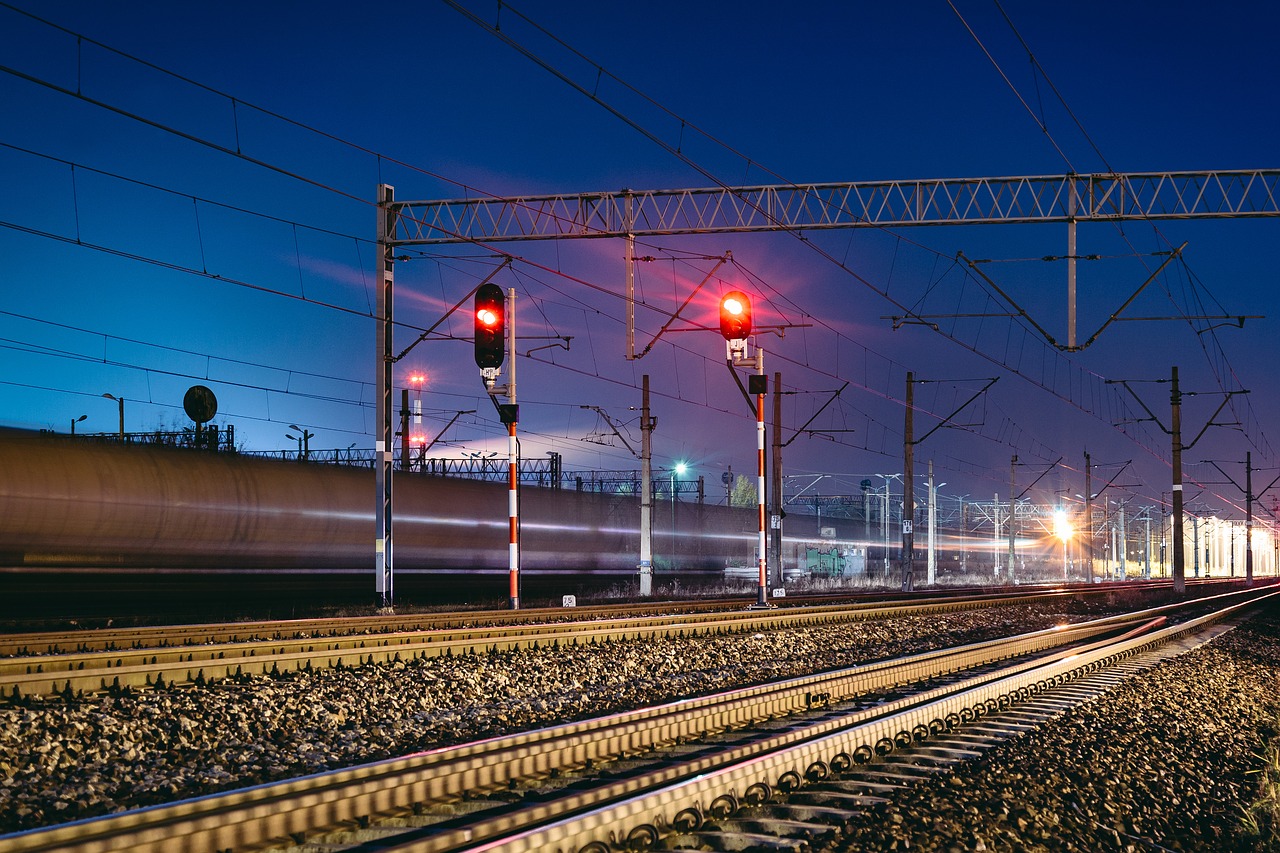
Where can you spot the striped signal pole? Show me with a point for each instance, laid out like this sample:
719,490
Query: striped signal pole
735,327
495,315
759,385
510,414
513,513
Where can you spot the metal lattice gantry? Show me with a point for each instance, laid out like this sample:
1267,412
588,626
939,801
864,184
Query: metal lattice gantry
951,201
1070,199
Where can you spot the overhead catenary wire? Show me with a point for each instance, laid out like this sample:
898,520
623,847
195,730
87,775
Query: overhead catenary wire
1004,362
1261,442
603,291
238,153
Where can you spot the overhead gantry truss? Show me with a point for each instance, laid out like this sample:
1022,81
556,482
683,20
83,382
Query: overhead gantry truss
630,214
862,204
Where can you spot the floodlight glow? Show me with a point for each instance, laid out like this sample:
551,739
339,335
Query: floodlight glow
1061,526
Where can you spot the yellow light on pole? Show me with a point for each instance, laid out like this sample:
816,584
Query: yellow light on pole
678,470
1063,530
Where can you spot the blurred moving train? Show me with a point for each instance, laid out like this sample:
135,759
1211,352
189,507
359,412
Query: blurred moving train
81,518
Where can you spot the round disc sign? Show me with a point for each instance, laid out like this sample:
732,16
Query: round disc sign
200,404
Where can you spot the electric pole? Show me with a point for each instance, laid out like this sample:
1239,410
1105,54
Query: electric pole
647,425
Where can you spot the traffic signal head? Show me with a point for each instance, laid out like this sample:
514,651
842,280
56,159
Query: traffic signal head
490,319
735,315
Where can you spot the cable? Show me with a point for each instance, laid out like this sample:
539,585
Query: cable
503,36
235,101
194,198
217,147
1154,226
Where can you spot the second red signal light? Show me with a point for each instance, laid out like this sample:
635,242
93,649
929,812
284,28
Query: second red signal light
735,316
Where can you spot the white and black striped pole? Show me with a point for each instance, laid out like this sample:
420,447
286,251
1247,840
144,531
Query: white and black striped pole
510,414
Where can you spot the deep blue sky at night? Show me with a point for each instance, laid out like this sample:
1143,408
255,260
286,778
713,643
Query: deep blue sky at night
198,209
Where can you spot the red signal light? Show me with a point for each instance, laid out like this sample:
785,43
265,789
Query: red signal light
490,317
735,316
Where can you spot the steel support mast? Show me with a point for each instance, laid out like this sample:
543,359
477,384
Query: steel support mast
384,442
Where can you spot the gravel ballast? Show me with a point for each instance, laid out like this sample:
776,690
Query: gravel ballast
1169,760
65,760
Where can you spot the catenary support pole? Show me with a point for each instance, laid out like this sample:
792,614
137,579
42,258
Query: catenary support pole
647,425
762,598
1072,201
1087,540
1013,515
383,444
1179,556
931,570
775,484
630,238
405,455
995,532
1122,549
1248,518
908,490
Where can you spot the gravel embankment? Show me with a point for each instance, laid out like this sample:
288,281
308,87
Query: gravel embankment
60,761
1167,761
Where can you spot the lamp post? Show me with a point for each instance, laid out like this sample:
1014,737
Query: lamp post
932,563
304,441
417,438
75,421
119,400
680,468
1062,529
884,518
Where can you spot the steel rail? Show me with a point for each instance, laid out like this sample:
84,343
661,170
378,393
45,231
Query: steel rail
256,815
47,675
111,639
813,752
83,640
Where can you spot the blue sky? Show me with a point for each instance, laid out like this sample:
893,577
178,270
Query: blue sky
140,255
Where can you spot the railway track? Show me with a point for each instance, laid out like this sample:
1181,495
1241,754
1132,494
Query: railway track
84,639
687,768
163,636
197,654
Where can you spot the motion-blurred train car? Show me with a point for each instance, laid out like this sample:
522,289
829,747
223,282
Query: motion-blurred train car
79,514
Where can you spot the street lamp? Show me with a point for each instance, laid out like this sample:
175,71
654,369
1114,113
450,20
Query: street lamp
932,563
1062,529
119,400
304,441
679,469
884,518
416,381
75,421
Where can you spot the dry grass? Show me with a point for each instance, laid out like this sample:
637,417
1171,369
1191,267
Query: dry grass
1260,822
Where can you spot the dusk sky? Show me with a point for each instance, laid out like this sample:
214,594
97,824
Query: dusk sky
189,199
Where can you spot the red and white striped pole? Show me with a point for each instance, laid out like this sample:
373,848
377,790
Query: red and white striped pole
513,512
759,487
510,416
762,599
